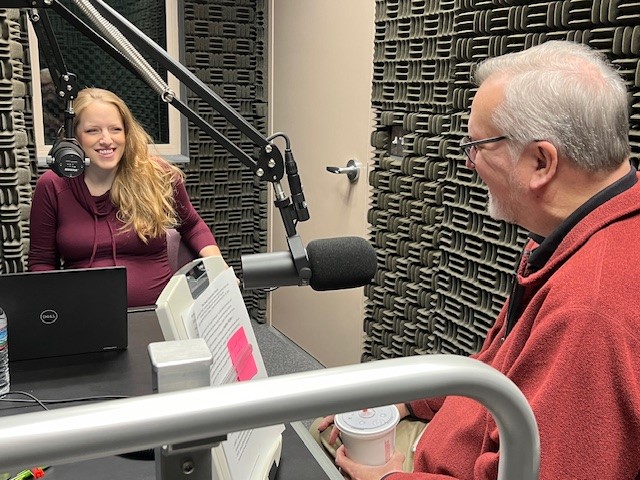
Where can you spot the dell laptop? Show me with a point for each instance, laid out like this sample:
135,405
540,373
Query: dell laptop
65,312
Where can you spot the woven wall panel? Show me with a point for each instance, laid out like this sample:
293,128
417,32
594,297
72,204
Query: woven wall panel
445,267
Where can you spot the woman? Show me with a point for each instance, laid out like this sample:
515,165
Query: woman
116,212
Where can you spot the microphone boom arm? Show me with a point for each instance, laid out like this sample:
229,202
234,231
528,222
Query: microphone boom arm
66,83
269,164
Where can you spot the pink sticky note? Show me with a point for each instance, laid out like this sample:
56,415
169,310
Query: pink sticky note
241,353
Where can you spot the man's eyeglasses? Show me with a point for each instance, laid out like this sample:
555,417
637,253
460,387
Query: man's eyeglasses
469,147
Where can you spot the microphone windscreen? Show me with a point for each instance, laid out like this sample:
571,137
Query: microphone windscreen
343,262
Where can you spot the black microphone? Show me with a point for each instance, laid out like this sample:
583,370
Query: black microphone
66,158
336,264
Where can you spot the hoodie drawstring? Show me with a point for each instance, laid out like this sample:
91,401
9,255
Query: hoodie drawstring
95,240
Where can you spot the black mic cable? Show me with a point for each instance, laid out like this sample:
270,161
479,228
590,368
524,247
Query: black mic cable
295,185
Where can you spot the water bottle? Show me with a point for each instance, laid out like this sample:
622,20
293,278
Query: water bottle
4,368
4,355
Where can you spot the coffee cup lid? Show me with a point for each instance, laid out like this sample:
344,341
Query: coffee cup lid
368,421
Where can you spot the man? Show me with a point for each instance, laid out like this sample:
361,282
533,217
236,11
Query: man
548,134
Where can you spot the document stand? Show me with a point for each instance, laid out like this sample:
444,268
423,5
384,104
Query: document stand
184,361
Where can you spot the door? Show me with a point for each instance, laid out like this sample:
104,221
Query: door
321,75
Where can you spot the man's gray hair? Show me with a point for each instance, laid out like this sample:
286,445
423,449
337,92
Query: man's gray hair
567,94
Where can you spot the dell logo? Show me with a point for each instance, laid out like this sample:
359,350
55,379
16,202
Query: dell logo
48,317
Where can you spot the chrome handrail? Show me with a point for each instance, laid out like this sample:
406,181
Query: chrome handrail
91,431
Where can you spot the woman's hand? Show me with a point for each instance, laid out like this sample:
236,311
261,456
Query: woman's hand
214,251
357,471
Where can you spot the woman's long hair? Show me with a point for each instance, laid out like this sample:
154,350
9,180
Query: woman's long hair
143,189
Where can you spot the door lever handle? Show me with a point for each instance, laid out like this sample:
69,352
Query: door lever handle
352,170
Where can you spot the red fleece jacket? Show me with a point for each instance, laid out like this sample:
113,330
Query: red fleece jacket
574,353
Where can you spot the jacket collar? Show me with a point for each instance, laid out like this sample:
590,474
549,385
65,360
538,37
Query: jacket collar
547,246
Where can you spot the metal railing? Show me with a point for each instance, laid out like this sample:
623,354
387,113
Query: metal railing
91,431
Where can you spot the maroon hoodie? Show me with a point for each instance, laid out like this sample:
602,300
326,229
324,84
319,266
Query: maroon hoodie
72,229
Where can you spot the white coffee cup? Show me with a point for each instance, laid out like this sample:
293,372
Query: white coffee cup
369,435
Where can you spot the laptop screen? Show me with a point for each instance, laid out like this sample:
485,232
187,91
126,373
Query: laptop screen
64,312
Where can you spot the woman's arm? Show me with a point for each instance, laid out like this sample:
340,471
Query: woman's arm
43,226
193,230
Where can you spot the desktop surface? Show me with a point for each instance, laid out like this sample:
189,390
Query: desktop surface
129,373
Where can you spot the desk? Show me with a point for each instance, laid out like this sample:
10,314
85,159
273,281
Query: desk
128,373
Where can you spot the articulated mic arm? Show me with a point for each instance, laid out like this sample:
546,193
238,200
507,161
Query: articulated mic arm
120,35
66,157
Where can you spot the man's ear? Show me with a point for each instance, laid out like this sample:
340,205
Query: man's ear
544,157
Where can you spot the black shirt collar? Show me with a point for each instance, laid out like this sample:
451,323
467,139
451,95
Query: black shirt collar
548,245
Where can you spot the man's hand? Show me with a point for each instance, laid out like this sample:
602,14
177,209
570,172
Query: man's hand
326,423
357,471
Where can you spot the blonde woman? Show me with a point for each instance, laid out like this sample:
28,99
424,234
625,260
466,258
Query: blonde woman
116,212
